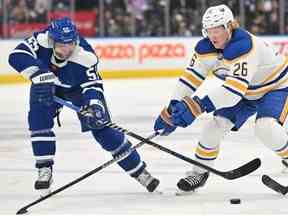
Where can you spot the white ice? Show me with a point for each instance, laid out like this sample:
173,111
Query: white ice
134,105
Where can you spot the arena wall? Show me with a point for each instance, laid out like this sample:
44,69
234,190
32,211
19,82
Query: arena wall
133,57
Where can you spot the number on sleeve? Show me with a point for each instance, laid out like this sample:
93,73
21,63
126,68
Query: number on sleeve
33,43
192,62
92,73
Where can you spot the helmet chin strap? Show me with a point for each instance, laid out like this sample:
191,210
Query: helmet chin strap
57,56
58,60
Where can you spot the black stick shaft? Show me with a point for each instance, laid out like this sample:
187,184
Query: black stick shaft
108,163
232,174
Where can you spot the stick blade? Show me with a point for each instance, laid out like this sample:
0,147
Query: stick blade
21,211
243,170
272,184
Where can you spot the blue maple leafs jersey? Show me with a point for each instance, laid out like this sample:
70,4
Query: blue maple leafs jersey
78,71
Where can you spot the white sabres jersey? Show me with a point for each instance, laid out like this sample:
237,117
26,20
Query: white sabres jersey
249,66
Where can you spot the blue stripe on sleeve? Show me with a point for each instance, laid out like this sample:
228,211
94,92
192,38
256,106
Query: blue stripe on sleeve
187,84
196,73
233,91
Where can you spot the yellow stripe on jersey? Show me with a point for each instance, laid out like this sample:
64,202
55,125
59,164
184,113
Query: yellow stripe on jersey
236,84
206,153
284,112
166,116
276,72
192,78
283,153
265,89
193,106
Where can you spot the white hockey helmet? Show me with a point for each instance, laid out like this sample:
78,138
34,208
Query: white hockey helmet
219,15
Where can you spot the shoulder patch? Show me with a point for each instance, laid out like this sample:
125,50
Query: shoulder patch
84,58
43,40
240,44
204,46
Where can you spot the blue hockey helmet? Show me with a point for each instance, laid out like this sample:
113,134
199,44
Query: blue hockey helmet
63,31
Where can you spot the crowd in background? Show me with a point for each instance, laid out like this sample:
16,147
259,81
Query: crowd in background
124,18
32,11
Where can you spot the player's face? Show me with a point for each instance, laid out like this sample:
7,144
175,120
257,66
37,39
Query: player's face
219,36
64,51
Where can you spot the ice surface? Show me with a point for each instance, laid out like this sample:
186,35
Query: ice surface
134,105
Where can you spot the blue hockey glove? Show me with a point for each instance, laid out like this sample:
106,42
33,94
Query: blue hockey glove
43,88
95,115
184,112
163,122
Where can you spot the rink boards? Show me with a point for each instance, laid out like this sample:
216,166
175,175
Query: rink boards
133,57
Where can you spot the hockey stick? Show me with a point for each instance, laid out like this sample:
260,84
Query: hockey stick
23,210
232,174
271,183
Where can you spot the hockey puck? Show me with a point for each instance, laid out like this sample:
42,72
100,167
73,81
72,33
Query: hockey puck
235,201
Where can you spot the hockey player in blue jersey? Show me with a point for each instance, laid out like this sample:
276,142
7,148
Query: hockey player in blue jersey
254,82
58,61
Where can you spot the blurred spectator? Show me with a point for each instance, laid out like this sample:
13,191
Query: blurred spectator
152,21
185,18
40,12
271,14
117,19
27,11
61,5
262,17
19,12
125,18
138,6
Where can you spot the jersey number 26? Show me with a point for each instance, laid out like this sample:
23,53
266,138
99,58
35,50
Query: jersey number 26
240,69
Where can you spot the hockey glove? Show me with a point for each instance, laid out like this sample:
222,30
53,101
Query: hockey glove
95,115
43,88
184,112
163,123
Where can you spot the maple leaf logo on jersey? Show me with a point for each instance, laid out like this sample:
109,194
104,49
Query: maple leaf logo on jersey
66,29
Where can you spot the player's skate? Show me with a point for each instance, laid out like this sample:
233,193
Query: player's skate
192,181
285,165
44,181
148,181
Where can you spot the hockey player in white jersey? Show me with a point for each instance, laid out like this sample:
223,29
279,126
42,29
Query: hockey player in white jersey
255,82
58,61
